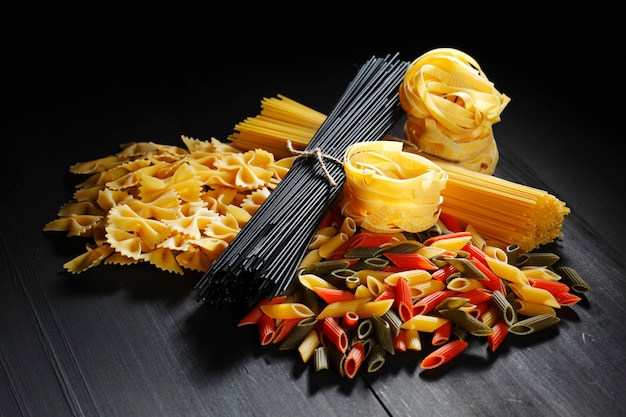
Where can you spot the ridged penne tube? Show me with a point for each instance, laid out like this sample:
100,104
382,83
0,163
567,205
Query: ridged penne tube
412,277
363,293
452,243
452,302
364,329
431,251
308,345
540,272
333,244
320,358
376,358
507,271
534,324
467,321
491,316
506,309
477,239
340,308
526,308
444,354
311,281
375,285
571,277
382,332
539,259
325,267
287,310
496,253
467,268
464,284
363,274
348,226
394,321
500,330
298,333
311,257
335,334
534,295
412,339
354,359
368,309
424,288
318,240
424,323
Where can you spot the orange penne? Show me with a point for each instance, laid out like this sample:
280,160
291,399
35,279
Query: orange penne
444,354
287,310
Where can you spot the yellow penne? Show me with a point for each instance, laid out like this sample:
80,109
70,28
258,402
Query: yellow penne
413,277
490,316
528,308
310,258
430,251
318,241
534,295
364,273
311,281
477,239
423,323
424,288
507,271
333,244
308,345
376,286
496,253
412,339
452,243
287,310
348,226
339,308
362,292
379,308
540,272
464,284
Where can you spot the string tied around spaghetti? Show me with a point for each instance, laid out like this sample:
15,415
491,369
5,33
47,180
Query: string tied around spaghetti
320,156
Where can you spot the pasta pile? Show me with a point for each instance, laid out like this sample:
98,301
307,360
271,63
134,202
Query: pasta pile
451,107
388,190
365,297
172,207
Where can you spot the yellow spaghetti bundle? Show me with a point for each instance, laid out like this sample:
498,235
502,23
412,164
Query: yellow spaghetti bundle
498,209
280,120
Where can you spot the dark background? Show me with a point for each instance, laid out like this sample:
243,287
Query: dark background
122,341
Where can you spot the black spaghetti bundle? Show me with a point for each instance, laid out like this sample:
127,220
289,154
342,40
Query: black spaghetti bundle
263,258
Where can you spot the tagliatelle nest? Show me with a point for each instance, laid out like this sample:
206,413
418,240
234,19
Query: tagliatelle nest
170,206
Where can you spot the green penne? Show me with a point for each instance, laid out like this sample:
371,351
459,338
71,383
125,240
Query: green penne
534,324
467,268
320,358
467,321
382,332
504,306
299,332
376,358
394,321
326,267
571,277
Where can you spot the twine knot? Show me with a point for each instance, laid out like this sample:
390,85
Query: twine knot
320,156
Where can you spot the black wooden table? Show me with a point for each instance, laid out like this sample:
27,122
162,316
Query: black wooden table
133,341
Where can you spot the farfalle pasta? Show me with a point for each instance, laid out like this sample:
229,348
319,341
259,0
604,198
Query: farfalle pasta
451,106
176,208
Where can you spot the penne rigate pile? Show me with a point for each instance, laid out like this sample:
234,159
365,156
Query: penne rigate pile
363,297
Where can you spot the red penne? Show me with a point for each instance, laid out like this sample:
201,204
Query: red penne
335,334
388,294
354,359
444,354
332,295
399,341
451,222
349,321
442,334
255,313
426,304
411,261
403,299
500,330
478,295
443,273
475,253
566,298
284,328
266,329
551,286
452,235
